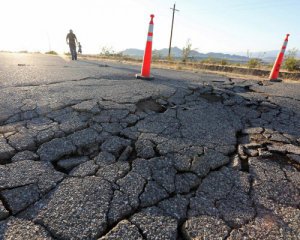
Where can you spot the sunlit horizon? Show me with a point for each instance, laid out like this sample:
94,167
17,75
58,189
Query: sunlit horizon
218,26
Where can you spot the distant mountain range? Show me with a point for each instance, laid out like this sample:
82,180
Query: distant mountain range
177,53
267,56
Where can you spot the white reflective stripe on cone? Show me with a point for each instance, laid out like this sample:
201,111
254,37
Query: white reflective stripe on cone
151,28
284,46
285,43
149,38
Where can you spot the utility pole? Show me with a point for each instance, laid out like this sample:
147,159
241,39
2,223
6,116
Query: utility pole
170,45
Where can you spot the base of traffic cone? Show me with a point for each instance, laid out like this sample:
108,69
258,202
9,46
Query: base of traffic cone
276,80
139,76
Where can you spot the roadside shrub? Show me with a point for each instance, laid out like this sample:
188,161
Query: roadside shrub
170,58
224,62
291,63
156,55
110,52
107,51
51,52
210,60
186,50
215,61
253,63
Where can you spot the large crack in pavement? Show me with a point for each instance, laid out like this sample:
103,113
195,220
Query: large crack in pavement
211,161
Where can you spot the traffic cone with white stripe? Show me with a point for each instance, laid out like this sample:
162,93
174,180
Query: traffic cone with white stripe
145,73
276,68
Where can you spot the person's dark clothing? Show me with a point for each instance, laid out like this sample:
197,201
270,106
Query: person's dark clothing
73,52
71,39
79,48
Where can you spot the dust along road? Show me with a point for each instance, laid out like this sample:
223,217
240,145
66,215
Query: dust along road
89,152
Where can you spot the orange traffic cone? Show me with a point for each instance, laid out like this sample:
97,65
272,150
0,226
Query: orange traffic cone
145,73
276,68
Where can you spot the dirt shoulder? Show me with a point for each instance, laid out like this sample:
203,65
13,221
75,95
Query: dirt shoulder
226,70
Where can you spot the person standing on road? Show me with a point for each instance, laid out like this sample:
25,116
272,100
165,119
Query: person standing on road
79,48
72,40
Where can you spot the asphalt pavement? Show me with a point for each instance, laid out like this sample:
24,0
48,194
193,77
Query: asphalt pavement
87,151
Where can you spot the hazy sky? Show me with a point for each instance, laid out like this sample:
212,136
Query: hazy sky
214,25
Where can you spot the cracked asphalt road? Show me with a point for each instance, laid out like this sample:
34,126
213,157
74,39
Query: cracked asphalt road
89,152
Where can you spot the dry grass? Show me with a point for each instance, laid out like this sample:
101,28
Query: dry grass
190,67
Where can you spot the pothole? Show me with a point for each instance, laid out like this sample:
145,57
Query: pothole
150,104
